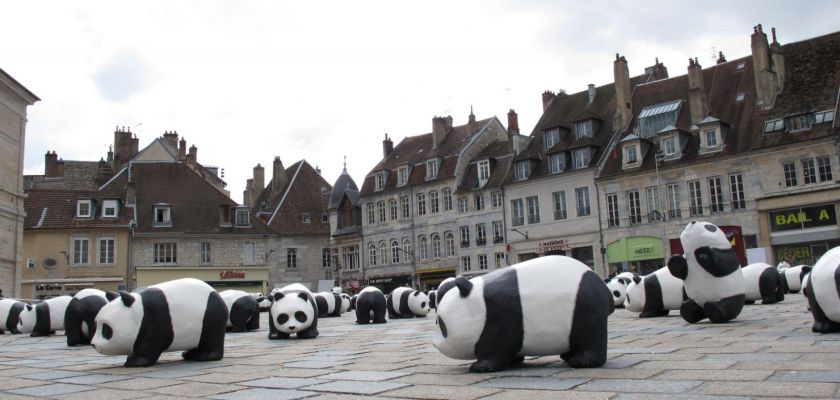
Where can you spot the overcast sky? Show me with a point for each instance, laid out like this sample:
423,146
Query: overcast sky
245,81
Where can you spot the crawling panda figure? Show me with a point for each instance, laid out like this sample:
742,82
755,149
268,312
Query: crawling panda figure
763,282
618,288
243,311
370,306
407,303
654,295
821,288
10,310
712,278
545,306
445,286
44,318
329,304
180,315
80,317
345,302
432,295
293,311
263,302
795,277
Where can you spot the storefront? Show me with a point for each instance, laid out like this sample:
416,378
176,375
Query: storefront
246,279
40,289
801,235
389,283
431,278
638,254
554,247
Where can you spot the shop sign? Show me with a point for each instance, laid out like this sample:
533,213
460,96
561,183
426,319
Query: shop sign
48,287
803,218
552,245
795,255
232,275
642,251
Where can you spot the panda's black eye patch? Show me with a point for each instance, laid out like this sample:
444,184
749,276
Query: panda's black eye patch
711,228
442,327
300,316
423,305
107,332
282,318
616,293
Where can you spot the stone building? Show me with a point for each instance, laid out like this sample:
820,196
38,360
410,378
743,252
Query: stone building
346,235
14,99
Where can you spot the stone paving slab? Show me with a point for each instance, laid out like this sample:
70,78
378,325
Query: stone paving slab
50,390
356,387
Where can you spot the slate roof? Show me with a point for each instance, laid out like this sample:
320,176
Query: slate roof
302,194
500,155
344,185
56,209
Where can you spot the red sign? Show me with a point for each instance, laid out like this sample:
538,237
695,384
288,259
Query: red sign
551,245
232,275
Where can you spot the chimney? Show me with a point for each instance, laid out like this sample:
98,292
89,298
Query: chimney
122,146
547,97
51,169
110,155
278,180
767,80
192,157
778,60
623,106
135,147
249,194
513,122
721,58
697,99
657,71
103,172
387,147
171,138
471,124
182,149
440,127
259,179
591,92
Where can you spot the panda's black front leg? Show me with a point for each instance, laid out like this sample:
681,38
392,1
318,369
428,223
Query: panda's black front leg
254,322
496,363
725,309
310,333
690,311
273,333
145,360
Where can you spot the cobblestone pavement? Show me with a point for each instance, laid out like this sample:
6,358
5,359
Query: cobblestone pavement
768,351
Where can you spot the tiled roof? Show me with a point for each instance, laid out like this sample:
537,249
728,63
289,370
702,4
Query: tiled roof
305,193
56,209
500,155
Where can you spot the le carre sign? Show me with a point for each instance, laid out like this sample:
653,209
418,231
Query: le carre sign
803,218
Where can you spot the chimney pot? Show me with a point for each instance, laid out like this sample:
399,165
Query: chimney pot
591,92
513,122
278,180
387,147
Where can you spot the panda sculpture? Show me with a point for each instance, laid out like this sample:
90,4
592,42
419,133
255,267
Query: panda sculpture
243,311
618,287
10,310
370,306
44,318
293,311
353,302
432,295
783,265
329,304
823,294
80,317
406,302
654,295
263,302
545,306
795,277
179,315
345,302
712,279
763,282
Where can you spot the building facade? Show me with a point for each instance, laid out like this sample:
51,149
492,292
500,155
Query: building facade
344,263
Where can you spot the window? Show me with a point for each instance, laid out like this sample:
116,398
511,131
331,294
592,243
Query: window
674,201
634,204
652,194
204,253
421,204
518,215
582,196
379,181
500,259
521,170
465,236
480,234
405,208
407,247
479,202
774,125
249,255
395,251
392,208
824,116
711,138
465,263
372,254
243,217
449,243
380,207
482,261
483,172
304,218
325,218
402,176
799,123
716,204
496,199
165,253
435,245
740,66
631,153
81,250
533,210
424,248
109,209
434,201
371,214
351,257
291,258
431,169
736,187
670,146
383,253
84,209
824,167
559,204
556,163
326,257
551,137
583,129
790,174
163,216
463,205
739,97
809,171
447,199
498,232
612,211
654,119
695,198
581,159
106,250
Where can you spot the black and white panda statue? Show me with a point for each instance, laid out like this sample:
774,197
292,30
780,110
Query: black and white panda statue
711,274
822,291
655,294
10,310
618,288
406,302
370,306
44,318
783,265
293,311
179,315
763,282
80,317
795,277
545,306
432,295
243,311
329,304
345,302
263,302
444,286
353,302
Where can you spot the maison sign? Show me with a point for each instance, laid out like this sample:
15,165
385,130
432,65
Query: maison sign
552,245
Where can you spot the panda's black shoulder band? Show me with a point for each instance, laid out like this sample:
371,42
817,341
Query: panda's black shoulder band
464,286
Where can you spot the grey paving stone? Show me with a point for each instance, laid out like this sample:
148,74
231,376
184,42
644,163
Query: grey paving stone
768,389
806,376
169,373
263,394
639,386
93,379
283,383
50,390
363,375
716,375
53,375
515,382
356,387
525,371
103,394
441,393
753,357
651,396
315,364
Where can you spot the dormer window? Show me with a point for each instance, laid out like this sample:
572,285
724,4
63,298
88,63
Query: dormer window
654,119
740,66
631,154
710,140
431,169
84,208
669,146
483,172
581,158
799,123
551,137
163,215
243,217
304,218
824,116
556,163
402,176
109,209
522,170
583,129
740,96
379,181
774,125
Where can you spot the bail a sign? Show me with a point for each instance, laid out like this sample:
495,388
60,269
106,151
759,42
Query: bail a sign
803,218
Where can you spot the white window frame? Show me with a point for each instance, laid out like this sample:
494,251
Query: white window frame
695,198
447,199
434,202
496,199
372,254
483,167
517,215
395,251
392,208
482,261
674,201
405,207
634,205
522,169
736,190
480,234
402,176
465,236
533,209
84,205
556,163
551,137
498,232
613,213
423,243
449,243
559,200
582,158
421,204
774,125
380,210
165,212
112,252
436,246
110,209
80,254
717,203
500,259
432,167
479,201
379,181
670,145
466,263
249,253
243,217
165,253
463,205
291,258
631,154
205,253
584,208
584,129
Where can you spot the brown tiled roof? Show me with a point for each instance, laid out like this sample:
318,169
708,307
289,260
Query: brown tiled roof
302,194
500,155
56,209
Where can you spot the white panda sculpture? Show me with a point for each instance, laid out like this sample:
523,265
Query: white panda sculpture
406,302
821,289
763,282
783,265
345,302
370,306
545,306
80,317
795,277
243,311
179,315
263,302
10,310
444,286
329,304
654,295
618,288
293,311
711,274
44,318
432,295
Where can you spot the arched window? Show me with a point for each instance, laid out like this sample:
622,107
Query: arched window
435,245
383,253
449,243
372,254
395,251
407,247
424,247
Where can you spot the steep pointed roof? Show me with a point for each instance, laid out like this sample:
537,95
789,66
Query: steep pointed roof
344,185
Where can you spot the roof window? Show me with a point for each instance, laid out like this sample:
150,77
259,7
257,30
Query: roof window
654,119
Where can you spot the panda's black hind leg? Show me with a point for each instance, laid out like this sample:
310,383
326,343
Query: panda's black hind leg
724,310
691,312
654,313
497,363
310,333
199,354
821,322
141,360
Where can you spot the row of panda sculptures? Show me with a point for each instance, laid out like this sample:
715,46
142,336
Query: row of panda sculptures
552,305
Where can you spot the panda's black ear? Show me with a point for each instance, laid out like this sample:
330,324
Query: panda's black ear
806,269
637,279
303,296
127,299
416,293
29,307
607,280
624,281
278,296
464,286
111,295
729,236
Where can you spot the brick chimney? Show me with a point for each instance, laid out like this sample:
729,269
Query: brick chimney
171,138
623,106
697,99
440,128
259,179
192,156
51,167
279,179
123,145
248,195
135,147
182,150
513,122
547,97
591,92
657,71
768,80
777,57
103,172
387,147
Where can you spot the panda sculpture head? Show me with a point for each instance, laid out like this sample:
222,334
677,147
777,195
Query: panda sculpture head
618,287
294,311
345,302
27,318
118,324
635,299
699,233
461,314
418,303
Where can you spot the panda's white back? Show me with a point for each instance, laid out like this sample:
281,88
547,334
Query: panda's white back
672,288
370,289
58,306
793,276
823,284
635,297
187,299
230,296
752,274
89,292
